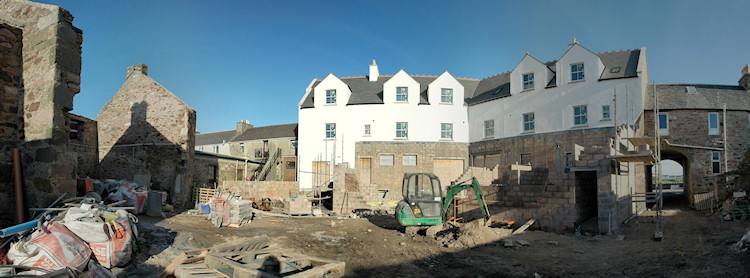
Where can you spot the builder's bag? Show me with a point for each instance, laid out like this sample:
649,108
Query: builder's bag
52,247
111,241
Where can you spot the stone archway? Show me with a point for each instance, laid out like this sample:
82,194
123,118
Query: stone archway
683,160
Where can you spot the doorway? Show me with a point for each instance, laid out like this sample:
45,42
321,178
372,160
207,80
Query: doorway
586,196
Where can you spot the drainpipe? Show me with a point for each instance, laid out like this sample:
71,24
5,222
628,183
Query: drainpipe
19,188
693,147
726,165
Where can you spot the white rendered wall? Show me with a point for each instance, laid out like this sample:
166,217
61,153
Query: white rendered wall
424,121
553,108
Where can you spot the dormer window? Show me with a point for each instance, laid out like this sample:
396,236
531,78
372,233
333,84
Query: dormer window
330,96
446,95
576,72
528,81
402,94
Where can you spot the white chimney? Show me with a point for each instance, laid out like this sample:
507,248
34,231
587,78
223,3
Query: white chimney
374,71
573,43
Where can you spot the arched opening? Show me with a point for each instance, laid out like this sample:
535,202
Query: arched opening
675,180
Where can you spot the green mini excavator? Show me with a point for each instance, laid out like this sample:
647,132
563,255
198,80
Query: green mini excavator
423,203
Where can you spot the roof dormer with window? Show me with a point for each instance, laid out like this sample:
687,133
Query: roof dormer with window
578,65
445,90
331,92
401,89
529,75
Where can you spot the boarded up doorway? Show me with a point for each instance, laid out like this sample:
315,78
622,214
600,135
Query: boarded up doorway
586,196
365,170
321,173
290,168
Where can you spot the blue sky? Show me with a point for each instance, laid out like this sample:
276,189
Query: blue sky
235,60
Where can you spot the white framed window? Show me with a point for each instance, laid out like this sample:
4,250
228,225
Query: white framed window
528,81
446,131
580,115
663,124
216,149
410,160
330,96
293,144
200,148
528,122
386,160
402,94
446,95
242,147
576,72
330,130
489,128
713,123
605,112
715,164
402,130
367,130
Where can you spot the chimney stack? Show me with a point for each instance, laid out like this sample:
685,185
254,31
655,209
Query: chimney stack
573,43
745,79
374,71
140,68
242,126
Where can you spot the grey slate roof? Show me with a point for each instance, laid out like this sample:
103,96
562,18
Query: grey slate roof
268,132
674,96
213,138
490,88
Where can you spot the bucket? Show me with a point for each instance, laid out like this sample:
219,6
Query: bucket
153,204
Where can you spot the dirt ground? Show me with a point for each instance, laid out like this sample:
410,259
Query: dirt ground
694,245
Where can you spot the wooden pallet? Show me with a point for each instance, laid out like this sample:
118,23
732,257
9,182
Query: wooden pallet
203,194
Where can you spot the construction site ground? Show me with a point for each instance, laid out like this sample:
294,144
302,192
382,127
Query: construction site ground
694,244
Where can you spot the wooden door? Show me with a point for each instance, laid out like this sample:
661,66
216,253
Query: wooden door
290,168
365,171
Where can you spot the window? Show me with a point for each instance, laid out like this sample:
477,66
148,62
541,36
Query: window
216,149
605,112
580,116
446,131
291,164
402,130
715,164
525,159
330,96
200,148
293,144
446,95
367,130
576,72
331,130
211,172
410,160
615,70
528,122
489,128
242,147
713,123
528,81
663,124
386,159
402,94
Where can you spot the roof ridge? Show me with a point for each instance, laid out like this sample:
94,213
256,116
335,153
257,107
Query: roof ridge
497,74
616,51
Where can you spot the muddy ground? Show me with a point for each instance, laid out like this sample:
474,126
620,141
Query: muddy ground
694,245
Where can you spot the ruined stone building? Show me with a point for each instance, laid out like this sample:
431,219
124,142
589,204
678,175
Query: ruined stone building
146,130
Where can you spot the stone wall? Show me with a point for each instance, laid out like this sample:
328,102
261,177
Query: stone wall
11,118
84,141
275,190
690,127
145,129
253,147
51,67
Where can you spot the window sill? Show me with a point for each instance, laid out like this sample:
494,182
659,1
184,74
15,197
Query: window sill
488,138
446,103
446,140
577,81
579,126
527,90
606,120
528,132
401,139
329,104
330,139
400,102
367,135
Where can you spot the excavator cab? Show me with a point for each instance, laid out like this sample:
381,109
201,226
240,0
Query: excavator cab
423,200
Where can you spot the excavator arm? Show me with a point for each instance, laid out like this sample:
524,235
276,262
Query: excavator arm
455,189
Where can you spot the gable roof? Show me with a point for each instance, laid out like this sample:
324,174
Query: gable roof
675,96
477,91
213,138
268,132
